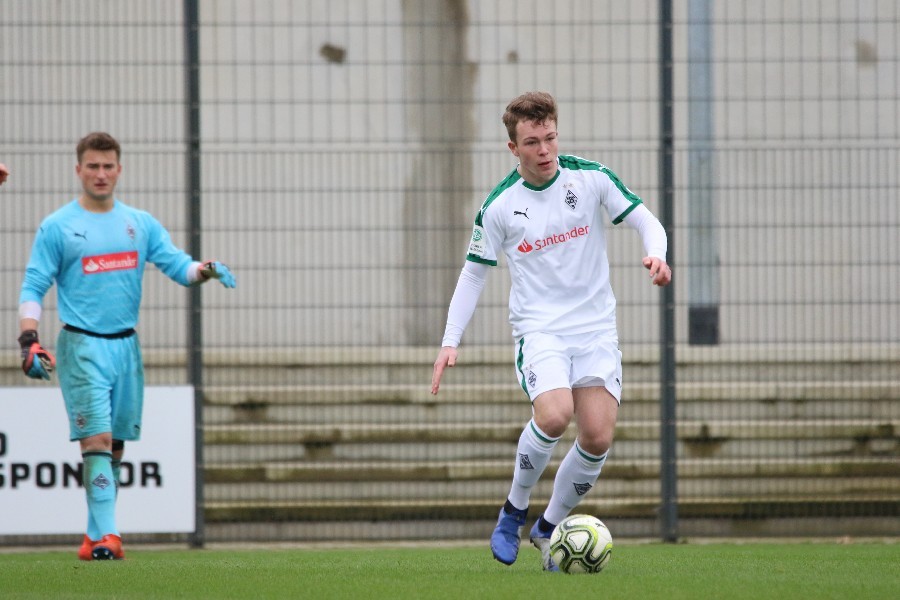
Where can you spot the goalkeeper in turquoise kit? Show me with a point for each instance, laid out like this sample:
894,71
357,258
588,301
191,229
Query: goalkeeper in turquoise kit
95,249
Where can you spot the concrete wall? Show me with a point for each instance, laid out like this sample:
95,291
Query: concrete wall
347,145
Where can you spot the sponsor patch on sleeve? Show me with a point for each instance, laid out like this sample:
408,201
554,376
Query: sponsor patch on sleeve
476,245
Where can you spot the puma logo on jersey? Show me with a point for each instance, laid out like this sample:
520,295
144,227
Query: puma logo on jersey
81,235
519,212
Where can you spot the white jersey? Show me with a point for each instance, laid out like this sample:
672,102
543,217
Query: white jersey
555,245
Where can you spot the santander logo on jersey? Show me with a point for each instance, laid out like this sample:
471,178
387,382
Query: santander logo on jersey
557,238
118,261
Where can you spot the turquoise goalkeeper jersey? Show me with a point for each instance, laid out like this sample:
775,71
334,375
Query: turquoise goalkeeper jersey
97,261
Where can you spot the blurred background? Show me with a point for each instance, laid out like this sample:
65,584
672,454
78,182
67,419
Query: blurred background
334,154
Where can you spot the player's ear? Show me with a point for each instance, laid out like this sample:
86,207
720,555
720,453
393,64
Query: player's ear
513,148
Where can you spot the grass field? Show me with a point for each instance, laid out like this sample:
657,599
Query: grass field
636,572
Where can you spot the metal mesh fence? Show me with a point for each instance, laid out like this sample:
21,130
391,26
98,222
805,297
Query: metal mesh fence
345,148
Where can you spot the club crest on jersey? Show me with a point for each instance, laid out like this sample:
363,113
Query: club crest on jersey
130,231
571,199
532,378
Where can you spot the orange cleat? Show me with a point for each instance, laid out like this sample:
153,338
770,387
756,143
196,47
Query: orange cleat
108,548
87,545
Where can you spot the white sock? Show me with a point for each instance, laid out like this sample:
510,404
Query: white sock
576,476
533,454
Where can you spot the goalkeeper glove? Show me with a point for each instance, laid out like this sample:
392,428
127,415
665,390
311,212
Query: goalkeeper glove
216,270
36,361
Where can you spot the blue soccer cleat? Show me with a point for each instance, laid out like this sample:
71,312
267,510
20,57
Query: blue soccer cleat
541,541
505,539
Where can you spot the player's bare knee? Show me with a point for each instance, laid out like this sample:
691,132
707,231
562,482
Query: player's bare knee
597,444
551,417
102,442
552,423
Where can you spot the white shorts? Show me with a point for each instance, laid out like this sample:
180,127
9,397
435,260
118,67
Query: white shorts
547,362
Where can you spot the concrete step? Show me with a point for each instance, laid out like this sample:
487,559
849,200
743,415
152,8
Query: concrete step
485,509
610,488
364,471
493,364
414,394
822,439
752,450
494,402
620,479
808,521
689,432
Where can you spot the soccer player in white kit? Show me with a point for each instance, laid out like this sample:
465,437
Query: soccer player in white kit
547,217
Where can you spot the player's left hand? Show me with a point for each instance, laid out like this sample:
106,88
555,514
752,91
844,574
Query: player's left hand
660,272
213,269
37,362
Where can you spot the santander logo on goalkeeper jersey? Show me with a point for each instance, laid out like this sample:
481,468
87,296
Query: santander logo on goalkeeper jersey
118,261
557,238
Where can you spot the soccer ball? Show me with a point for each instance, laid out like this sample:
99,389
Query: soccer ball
581,544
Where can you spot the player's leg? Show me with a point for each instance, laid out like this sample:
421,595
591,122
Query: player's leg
596,388
85,387
534,451
118,450
596,411
553,410
541,371
100,490
126,406
127,397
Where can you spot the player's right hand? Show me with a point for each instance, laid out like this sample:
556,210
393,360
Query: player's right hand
446,358
37,362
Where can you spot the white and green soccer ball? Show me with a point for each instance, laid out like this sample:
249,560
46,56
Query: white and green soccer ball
581,544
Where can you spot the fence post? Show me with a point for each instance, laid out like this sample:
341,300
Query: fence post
668,459
195,315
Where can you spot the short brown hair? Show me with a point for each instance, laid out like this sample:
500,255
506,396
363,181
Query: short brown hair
97,140
530,106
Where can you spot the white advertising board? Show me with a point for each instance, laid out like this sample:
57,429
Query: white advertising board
40,482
